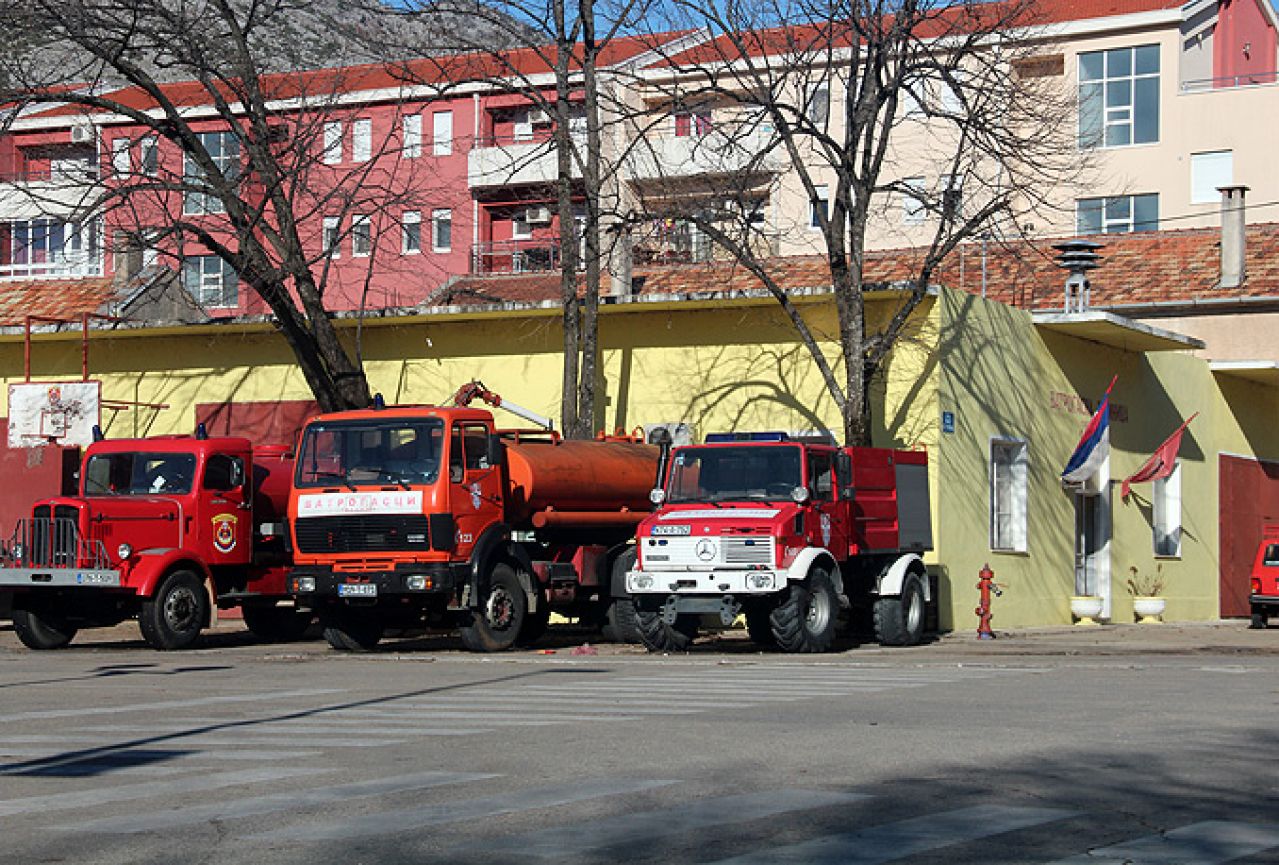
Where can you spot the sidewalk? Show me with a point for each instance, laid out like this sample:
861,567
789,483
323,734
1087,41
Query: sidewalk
1230,636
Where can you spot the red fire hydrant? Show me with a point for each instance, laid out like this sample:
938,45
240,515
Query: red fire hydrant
987,586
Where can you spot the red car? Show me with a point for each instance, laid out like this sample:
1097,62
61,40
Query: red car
1264,598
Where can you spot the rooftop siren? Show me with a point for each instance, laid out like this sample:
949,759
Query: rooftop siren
1078,257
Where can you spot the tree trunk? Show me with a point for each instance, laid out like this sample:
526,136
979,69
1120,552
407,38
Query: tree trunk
589,376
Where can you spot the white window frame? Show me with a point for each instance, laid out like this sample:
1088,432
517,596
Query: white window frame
332,154
914,207
1017,507
226,159
212,281
361,235
441,216
121,157
362,140
1119,115
411,137
442,133
411,232
518,219
1209,170
331,236
1114,224
1165,520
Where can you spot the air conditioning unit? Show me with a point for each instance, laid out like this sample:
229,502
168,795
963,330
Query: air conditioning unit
538,216
538,116
82,133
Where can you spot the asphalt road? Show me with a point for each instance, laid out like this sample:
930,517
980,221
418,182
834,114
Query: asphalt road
237,753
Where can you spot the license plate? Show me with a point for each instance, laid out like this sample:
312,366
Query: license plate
672,530
357,590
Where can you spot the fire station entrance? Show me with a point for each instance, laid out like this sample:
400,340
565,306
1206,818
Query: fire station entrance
1249,498
1092,546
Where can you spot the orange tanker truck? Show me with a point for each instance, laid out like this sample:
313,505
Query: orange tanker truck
429,516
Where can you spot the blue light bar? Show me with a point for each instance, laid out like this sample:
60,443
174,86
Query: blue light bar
716,438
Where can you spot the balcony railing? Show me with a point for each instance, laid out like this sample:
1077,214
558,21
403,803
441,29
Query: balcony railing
1250,79
60,268
516,256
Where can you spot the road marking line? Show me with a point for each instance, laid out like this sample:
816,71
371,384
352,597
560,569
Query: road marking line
562,841
177,786
1208,843
211,740
904,838
539,704
126,757
410,819
274,802
273,696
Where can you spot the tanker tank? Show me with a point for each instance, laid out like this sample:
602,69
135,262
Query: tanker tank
579,483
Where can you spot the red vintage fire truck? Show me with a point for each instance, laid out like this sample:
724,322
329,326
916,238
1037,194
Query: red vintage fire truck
1263,597
163,528
787,533
429,516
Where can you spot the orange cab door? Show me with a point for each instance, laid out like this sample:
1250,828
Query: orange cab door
475,487
225,510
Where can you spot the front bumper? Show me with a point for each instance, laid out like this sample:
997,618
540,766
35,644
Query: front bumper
1264,600
719,582
59,578
310,583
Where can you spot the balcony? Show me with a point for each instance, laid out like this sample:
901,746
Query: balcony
61,267
1249,79
516,256
31,192
713,154
510,161
46,248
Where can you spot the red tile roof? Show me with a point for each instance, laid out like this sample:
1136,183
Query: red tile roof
65,299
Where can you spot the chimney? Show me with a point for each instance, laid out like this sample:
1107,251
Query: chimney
1232,236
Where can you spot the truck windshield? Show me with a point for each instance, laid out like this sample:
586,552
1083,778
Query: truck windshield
139,474
712,474
397,451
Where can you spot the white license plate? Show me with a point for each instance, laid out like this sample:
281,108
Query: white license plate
357,590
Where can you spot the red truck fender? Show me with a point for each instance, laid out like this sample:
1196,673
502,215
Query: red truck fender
810,556
894,576
153,565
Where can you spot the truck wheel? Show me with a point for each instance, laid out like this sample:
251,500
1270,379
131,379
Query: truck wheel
805,619
657,636
350,631
899,620
276,624
621,624
175,615
496,625
41,631
759,625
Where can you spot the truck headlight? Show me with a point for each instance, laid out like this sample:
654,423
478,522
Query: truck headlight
306,584
760,581
640,582
124,551
417,582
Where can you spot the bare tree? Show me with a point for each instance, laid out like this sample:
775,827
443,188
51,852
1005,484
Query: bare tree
233,160
834,122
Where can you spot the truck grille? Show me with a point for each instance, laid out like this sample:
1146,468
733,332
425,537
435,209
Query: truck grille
362,533
681,553
747,551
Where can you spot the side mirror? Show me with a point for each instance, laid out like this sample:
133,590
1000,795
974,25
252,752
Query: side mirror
496,450
237,474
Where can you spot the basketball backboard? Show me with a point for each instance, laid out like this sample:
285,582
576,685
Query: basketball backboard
58,412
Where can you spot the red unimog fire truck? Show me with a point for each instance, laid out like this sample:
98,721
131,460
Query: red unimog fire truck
787,533
1263,599
410,517
163,528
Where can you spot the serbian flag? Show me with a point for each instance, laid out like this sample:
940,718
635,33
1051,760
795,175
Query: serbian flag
1161,462
1094,444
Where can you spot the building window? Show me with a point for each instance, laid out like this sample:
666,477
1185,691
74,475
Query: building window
411,232
333,236
1207,172
49,247
692,123
412,144
441,230
211,281
149,156
224,149
819,207
819,105
1117,214
332,143
914,207
1119,97
121,161
362,140
1008,495
521,229
1167,514
361,235
442,133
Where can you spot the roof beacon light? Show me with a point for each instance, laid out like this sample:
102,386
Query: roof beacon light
718,438
201,431
98,435
378,402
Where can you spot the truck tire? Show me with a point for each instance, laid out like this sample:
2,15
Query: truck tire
657,636
805,620
173,617
496,626
275,624
41,631
759,625
353,631
899,619
621,624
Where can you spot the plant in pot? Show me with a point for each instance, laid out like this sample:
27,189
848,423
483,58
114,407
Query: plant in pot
1086,608
1147,591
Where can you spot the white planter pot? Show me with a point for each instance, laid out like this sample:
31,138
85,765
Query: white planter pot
1086,608
1150,609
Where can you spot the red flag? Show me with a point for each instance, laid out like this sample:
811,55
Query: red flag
1161,462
